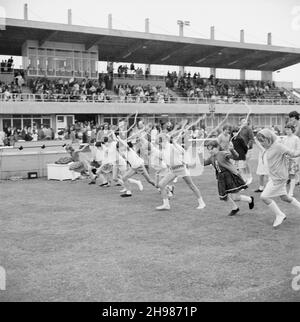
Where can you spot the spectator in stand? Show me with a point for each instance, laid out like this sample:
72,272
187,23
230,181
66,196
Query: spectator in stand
41,134
48,133
132,68
19,81
10,63
147,72
2,66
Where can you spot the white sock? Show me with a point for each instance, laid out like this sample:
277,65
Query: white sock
235,206
292,186
200,200
134,181
166,202
296,203
245,198
273,206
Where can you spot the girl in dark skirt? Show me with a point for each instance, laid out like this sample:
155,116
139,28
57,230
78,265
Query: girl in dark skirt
230,183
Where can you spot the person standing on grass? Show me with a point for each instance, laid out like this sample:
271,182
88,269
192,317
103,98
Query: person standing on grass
230,183
276,157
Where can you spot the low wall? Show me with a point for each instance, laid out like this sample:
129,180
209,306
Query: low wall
6,78
46,108
15,163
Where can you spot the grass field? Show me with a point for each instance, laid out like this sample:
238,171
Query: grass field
64,241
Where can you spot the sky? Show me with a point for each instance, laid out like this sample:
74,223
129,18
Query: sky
256,17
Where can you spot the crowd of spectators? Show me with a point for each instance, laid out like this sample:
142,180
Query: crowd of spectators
221,90
13,90
83,132
73,89
6,66
194,88
124,70
142,94
10,135
88,132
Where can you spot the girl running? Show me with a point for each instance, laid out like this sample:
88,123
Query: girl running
275,157
173,154
292,142
262,169
136,163
230,183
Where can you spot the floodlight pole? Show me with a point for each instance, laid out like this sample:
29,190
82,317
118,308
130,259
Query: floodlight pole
181,24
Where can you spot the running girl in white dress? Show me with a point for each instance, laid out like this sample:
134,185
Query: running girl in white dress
262,169
173,155
136,163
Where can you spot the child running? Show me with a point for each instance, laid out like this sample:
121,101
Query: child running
292,142
229,180
275,157
137,166
262,169
173,155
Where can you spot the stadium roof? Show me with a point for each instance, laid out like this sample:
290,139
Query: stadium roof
148,48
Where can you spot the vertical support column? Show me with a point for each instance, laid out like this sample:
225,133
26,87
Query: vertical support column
25,58
213,70
69,16
110,65
270,38
25,11
147,30
267,75
242,40
110,21
181,68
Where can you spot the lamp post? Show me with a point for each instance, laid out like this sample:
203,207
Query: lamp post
181,24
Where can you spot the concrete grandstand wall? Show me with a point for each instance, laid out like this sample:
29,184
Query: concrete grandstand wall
129,108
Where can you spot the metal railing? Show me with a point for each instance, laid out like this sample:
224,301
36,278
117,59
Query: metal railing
27,97
133,76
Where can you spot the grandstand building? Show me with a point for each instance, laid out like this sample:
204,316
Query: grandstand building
62,54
